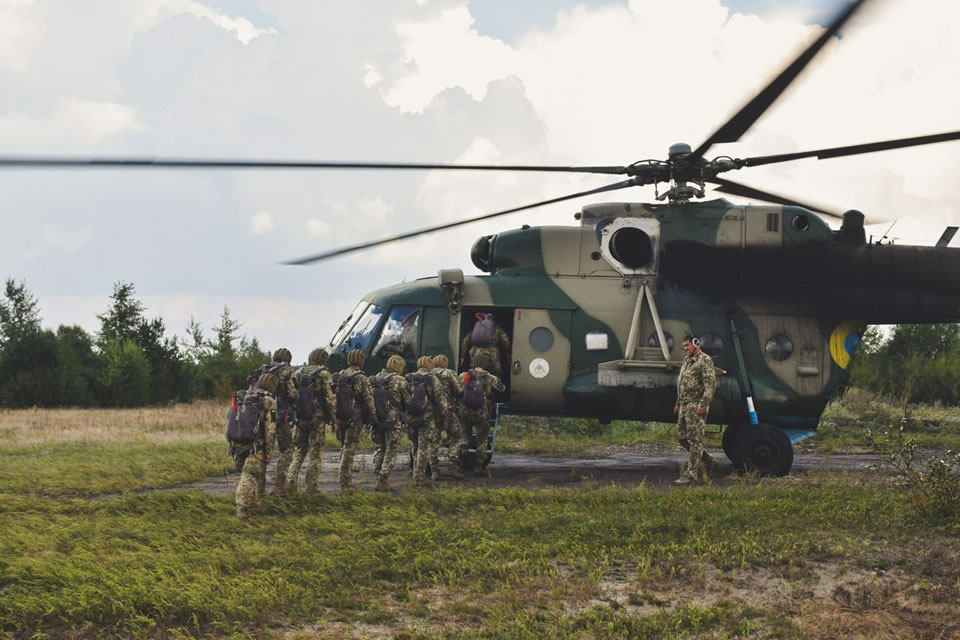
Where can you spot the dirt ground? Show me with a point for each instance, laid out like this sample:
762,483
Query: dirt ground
656,467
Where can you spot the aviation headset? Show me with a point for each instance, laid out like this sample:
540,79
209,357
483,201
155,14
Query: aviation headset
695,341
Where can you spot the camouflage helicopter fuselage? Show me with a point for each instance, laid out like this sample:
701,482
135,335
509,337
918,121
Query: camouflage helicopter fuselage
774,283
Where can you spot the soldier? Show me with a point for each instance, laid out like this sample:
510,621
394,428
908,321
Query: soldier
253,458
695,386
455,436
428,410
316,407
476,405
485,346
355,408
286,396
391,395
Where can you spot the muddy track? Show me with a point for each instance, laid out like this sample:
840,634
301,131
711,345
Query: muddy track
657,470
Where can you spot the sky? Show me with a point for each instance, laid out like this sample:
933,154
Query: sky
488,81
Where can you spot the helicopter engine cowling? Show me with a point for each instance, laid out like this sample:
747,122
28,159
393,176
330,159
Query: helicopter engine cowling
481,253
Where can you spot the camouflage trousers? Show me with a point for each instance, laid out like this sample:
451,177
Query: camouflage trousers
387,440
285,447
307,445
425,437
456,435
690,427
348,451
253,481
478,423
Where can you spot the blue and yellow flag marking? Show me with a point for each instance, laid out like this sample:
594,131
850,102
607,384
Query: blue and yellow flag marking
844,341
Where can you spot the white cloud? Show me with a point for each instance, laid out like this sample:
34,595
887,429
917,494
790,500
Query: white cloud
73,122
317,227
240,26
371,77
261,223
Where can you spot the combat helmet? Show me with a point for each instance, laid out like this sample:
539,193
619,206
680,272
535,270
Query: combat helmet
396,364
440,361
282,355
268,382
425,362
318,356
356,358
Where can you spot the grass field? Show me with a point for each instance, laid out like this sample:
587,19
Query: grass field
810,556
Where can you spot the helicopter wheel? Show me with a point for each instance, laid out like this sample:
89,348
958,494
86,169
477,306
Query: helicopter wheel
729,443
765,449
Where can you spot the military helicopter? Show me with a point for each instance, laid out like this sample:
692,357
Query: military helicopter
596,312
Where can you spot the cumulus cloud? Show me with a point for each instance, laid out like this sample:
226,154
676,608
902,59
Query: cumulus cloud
261,223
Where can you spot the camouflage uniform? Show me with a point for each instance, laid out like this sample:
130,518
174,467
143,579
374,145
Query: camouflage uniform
387,433
351,427
490,358
310,432
252,459
478,420
424,430
695,386
454,389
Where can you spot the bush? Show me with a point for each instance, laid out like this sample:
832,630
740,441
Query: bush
934,492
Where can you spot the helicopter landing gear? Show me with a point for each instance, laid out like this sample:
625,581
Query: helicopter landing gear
762,448
729,443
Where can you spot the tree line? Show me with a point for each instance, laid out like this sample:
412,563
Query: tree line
129,362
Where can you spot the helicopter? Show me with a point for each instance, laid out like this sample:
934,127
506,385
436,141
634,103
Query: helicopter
596,312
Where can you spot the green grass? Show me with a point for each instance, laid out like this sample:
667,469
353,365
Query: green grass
138,562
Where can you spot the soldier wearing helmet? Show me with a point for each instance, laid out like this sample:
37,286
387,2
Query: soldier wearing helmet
316,408
286,395
253,459
355,408
477,404
456,439
428,413
487,345
391,395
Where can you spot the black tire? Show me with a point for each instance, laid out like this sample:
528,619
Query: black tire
765,449
729,443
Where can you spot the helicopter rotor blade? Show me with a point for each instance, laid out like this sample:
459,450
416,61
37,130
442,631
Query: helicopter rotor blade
735,127
215,163
441,227
737,189
852,150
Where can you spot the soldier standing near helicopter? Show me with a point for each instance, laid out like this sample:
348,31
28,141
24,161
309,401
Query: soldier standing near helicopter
355,408
253,459
695,386
485,346
391,398
315,409
455,436
427,411
477,402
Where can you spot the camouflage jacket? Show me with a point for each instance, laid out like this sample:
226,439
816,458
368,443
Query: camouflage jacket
500,340
493,383
365,411
697,380
451,385
287,392
324,398
436,395
398,395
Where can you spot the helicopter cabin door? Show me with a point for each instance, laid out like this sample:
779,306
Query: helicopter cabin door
540,358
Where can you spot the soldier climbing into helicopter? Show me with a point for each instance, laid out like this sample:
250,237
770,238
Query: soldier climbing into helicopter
695,386
487,346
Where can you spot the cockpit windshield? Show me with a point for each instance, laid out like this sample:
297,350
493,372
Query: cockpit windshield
358,337
347,324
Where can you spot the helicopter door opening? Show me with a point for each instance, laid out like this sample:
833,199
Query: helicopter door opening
503,319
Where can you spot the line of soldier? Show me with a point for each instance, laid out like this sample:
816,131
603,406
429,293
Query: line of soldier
295,406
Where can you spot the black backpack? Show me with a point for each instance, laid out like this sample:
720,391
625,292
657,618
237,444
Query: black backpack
418,389
243,419
345,402
381,396
474,389
307,403
254,376
483,331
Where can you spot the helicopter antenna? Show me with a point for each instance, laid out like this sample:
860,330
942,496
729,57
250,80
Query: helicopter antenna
887,232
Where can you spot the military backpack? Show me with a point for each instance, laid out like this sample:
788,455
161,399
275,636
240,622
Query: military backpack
381,395
243,420
346,404
307,402
474,389
483,332
418,389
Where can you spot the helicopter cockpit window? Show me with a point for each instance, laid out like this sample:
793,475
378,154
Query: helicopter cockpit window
779,348
401,333
348,323
654,340
712,344
361,333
